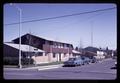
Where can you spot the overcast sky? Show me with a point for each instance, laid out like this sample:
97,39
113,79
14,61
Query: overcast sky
69,29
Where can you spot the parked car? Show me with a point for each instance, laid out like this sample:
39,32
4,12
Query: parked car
93,60
74,62
86,60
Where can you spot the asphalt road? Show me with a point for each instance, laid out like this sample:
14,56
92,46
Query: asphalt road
94,71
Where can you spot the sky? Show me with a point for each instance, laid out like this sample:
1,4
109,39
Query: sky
75,29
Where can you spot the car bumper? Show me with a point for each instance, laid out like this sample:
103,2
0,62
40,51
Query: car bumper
69,64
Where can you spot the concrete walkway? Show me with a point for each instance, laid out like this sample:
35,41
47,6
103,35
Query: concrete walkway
37,67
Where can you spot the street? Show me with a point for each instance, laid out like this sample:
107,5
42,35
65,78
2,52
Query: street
95,71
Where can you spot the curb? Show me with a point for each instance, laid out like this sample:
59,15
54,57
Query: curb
44,67
50,67
105,60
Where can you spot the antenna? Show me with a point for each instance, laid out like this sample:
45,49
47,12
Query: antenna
29,39
80,43
91,33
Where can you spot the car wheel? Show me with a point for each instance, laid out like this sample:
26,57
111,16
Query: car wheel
76,64
82,63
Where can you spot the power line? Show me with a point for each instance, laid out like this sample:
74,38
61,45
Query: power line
75,14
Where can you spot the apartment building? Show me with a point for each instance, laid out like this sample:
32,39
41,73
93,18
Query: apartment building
54,50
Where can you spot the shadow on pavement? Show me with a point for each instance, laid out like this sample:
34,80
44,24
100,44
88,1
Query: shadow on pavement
113,68
68,66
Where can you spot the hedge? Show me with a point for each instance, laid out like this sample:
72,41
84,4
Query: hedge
15,61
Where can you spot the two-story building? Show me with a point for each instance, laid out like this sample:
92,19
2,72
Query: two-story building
54,50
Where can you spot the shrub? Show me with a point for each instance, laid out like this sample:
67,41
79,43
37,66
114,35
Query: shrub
26,61
10,61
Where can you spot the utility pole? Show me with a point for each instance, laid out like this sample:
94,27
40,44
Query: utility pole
20,20
81,45
50,52
29,45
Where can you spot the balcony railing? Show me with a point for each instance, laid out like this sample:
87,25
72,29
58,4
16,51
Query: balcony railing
51,48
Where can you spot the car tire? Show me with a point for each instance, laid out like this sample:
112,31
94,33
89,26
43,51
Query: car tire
76,64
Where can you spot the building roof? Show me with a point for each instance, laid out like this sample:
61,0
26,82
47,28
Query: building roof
91,49
89,53
24,48
45,38
51,39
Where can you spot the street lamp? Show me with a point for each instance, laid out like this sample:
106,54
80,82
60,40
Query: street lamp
20,15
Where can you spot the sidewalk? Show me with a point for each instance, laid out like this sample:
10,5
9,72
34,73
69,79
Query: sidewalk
37,67
105,60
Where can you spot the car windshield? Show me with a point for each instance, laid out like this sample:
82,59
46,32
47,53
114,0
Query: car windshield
87,58
72,59
83,58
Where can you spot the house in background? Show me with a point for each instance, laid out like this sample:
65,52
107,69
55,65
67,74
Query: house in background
93,51
76,53
100,54
54,50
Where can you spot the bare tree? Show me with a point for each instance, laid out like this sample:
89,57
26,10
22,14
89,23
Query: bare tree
76,48
80,45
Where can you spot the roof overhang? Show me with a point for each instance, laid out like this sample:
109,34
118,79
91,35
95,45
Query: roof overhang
76,52
24,48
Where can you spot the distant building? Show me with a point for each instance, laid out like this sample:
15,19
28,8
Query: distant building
54,50
76,53
93,51
100,54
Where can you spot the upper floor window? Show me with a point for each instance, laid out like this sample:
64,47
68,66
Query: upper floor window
58,45
55,45
47,42
65,45
61,45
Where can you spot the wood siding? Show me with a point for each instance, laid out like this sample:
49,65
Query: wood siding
10,52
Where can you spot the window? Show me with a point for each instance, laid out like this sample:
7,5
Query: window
55,45
39,54
53,55
50,42
61,45
47,42
65,46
